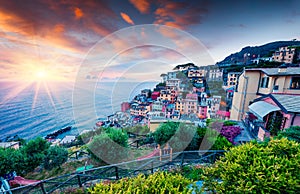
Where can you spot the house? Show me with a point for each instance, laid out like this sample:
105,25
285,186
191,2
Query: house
271,113
157,106
215,74
125,106
196,73
139,111
67,139
257,82
169,110
155,95
154,115
164,77
168,95
213,106
232,78
172,75
13,144
284,55
174,82
190,104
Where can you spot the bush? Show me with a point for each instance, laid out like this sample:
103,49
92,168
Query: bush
230,132
271,167
180,136
292,133
110,146
55,157
220,143
11,160
138,130
164,132
159,182
229,123
192,172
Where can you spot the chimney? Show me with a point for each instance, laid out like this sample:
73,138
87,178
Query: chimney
282,68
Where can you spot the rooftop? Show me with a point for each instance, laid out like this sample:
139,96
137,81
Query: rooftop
274,71
291,103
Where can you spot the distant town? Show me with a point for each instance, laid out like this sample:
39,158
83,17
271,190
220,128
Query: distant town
265,99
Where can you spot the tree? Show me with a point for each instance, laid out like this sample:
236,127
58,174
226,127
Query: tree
11,160
55,157
180,136
34,152
271,167
110,146
164,132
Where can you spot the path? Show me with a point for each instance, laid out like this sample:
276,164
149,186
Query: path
245,136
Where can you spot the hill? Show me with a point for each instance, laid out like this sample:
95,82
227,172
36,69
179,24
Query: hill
265,50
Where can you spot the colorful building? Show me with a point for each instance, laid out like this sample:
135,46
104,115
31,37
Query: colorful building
272,113
258,82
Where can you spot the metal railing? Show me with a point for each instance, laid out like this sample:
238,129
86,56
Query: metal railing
89,177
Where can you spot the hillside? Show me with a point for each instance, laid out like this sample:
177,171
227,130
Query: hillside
265,50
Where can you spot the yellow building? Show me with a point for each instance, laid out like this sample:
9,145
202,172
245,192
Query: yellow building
254,83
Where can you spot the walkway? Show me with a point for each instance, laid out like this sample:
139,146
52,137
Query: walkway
245,136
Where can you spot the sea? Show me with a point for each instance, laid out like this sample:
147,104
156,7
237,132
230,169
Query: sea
38,109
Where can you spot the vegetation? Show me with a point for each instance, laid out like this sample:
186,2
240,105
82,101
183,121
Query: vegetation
271,167
229,123
66,168
159,182
292,133
25,159
230,132
109,146
179,136
138,130
263,50
55,157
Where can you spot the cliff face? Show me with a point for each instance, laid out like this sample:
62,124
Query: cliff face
263,51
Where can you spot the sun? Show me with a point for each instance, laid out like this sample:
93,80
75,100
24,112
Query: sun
41,74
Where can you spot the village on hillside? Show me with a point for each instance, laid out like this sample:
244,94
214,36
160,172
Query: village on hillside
265,99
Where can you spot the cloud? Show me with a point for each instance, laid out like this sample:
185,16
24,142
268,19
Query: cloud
180,14
126,18
78,13
58,23
142,5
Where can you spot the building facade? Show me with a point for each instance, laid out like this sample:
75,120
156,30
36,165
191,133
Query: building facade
254,83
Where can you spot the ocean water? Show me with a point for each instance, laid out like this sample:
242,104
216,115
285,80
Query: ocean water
37,110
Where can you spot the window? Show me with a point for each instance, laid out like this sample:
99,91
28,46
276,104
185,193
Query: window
295,83
264,82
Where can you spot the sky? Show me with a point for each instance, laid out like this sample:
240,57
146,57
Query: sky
69,40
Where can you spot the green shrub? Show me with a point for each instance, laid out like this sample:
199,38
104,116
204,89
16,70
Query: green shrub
164,132
229,123
192,172
180,136
271,167
110,146
292,133
55,157
220,143
159,182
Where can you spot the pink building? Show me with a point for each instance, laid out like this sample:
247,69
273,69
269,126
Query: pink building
125,106
155,95
202,112
273,112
